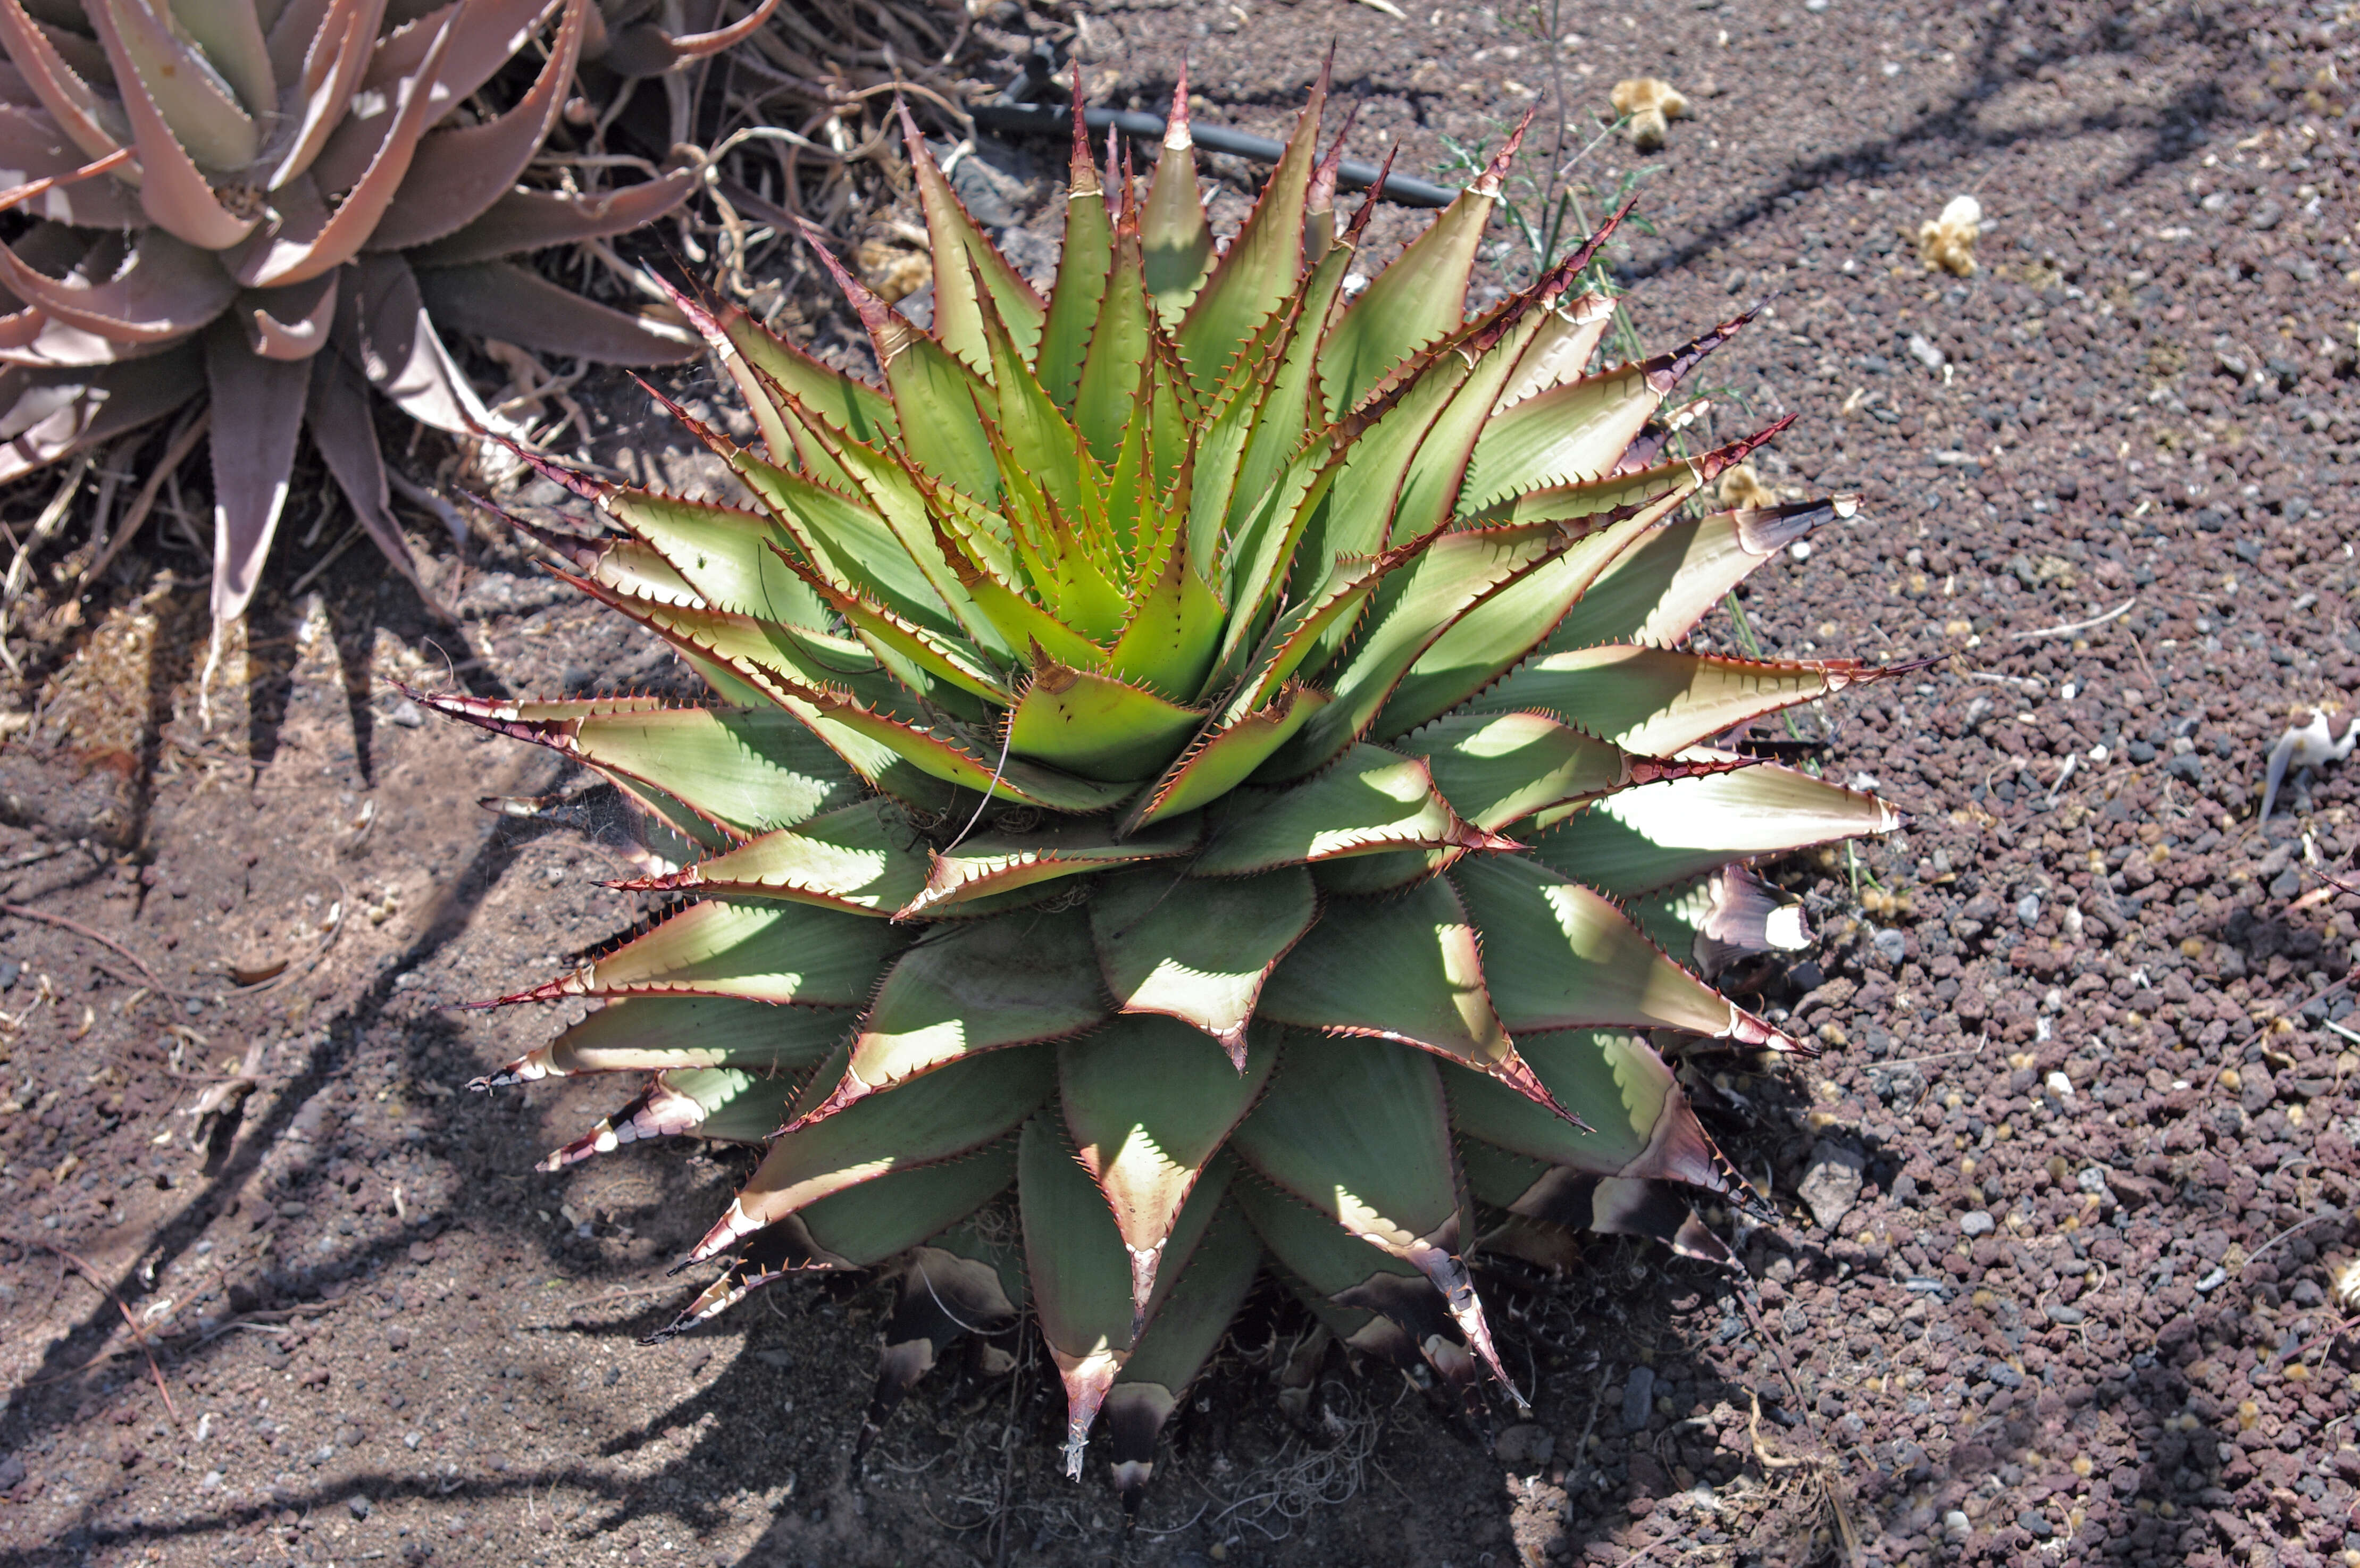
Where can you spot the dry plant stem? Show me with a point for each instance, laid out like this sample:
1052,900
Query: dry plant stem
104,1288
184,441
2072,627
21,912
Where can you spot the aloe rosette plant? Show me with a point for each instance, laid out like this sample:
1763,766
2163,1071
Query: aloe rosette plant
1202,771
280,205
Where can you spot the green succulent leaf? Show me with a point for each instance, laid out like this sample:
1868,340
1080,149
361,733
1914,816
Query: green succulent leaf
1651,839
648,1034
1199,951
747,948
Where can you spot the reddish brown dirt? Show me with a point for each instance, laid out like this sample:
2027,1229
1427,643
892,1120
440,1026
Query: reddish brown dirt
2078,1320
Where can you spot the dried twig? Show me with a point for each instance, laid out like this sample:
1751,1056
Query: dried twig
21,912
107,1290
2072,627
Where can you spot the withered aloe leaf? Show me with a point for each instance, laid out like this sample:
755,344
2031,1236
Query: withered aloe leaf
523,220
1177,653
494,300
257,414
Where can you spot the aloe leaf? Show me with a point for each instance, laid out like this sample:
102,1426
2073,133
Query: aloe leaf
729,557
947,758
1370,800
1425,588
454,176
32,149
1657,701
286,323
381,325
1148,1101
70,99
1377,1304
343,428
859,1226
917,656
1112,370
1721,919
1095,725
1169,644
154,64
953,1113
319,50
1560,956
863,859
984,865
747,770
1580,430
1177,245
848,543
752,948
258,405
1422,297
648,1034
230,35
163,289
784,387
961,257
1264,264
1197,950
1080,1273
527,220
1168,1355
495,300
1315,627
1358,1129
1608,1205
1561,350
1648,839
1406,969
1656,593
1497,768
721,1103
970,988
1633,1120
310,238
1223,756
1040,444
1083,265
55,413
936,391
1494,635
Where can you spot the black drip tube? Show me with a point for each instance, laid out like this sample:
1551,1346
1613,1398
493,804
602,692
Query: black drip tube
1057,120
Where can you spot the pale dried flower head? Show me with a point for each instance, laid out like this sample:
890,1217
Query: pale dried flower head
1651,103
1948,242
895,273
1741,488
2347,1284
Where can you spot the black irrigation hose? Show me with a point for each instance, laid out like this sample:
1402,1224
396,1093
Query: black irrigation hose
1047,120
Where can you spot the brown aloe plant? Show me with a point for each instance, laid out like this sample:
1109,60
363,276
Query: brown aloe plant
1205,769
282,205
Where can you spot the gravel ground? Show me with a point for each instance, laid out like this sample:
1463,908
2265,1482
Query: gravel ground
2059,1211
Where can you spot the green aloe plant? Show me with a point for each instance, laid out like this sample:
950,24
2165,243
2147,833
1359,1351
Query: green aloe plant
281,204
1205,758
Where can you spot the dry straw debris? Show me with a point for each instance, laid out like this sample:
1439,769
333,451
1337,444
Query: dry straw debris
1948,242
1652,103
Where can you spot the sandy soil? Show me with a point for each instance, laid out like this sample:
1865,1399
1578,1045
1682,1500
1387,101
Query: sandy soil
2051,1277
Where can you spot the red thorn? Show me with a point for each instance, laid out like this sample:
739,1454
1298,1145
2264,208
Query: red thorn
1322,198
1376,194
873,312
1177,123
1487,182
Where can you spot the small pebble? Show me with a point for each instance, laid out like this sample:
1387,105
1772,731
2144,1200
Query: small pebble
1977,1224
2059,1085
407,714
2028,908
1956,1526
1638,1399
359,1505
2061,1313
